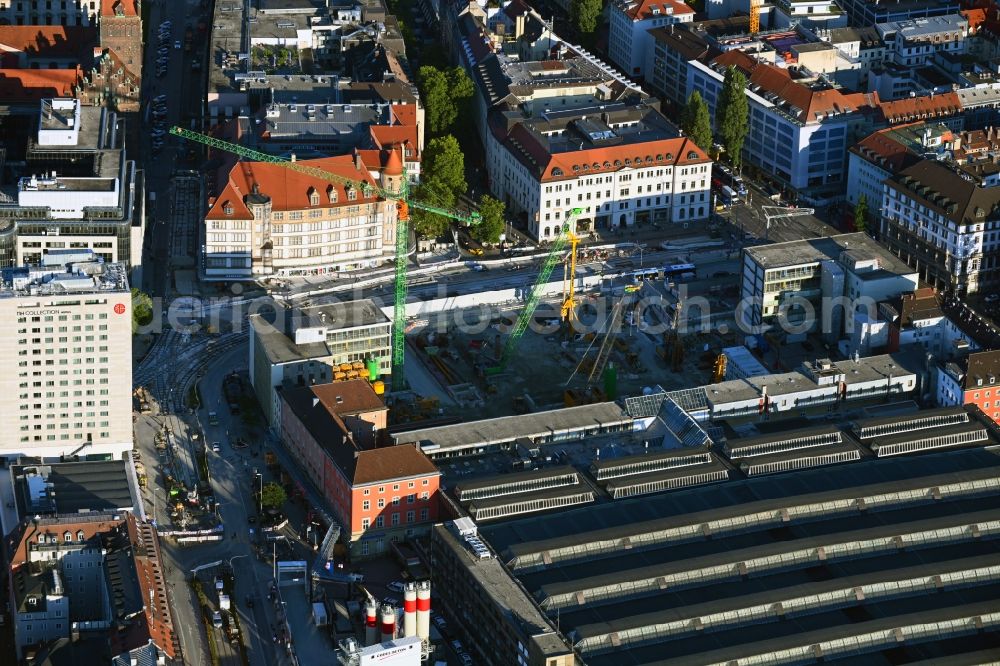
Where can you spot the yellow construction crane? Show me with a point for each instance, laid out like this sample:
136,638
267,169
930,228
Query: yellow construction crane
719,373
569,280
755,16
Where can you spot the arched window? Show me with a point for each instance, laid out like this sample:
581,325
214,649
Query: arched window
313,197
68,536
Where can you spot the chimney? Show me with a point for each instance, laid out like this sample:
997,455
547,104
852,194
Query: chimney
410,610
357,161
388,622
424,610
519,26
371,621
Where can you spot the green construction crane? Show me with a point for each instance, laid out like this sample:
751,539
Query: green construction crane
403,204
528,311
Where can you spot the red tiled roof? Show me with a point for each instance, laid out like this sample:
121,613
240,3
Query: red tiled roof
810,103
573,164
46,40
975,17
919,108
287,188
393,135
158,624
33,84
392,462
128,7
889,153
404,114
643,9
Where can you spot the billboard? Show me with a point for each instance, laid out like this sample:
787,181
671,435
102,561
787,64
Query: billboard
398,652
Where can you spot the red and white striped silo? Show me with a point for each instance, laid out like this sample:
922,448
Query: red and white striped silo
424,610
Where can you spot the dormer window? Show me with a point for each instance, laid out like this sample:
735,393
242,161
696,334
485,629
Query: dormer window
32,601
557,172
352,194
331,193
79,536
313,197
67,537
227,208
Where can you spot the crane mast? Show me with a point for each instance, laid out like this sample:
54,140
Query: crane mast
403,205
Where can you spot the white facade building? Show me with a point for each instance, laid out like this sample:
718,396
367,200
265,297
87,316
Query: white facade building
913,43
67,383
946,225
619,172
630,45
101,207
271,220
818,285
798,129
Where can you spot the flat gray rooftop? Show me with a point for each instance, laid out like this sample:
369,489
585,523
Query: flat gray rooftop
815,250
282,349
496,583
346,314
510,428
711,596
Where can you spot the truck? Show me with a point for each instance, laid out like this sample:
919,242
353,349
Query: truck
224,602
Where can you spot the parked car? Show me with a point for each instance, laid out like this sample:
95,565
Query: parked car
391,601
217,620
395,586
216,448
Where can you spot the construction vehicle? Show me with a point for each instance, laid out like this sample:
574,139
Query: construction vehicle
528,311
403,205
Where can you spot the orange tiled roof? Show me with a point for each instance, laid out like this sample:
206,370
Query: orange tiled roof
975,17
573,164
879,146
643,9
33,84
288,189
46,40
404,114
811,104
920,108
128,7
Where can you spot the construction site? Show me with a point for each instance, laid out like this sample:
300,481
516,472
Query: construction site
612,339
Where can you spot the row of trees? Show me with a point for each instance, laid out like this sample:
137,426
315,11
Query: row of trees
445,94
732,117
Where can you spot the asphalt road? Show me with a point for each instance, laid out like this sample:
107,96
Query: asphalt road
182,103
749,216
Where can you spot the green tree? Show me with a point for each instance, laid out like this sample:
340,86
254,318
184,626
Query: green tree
444,165
273,495
443,93
427,224
492,223
696,123
584,14
861,214
732,115
142,309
